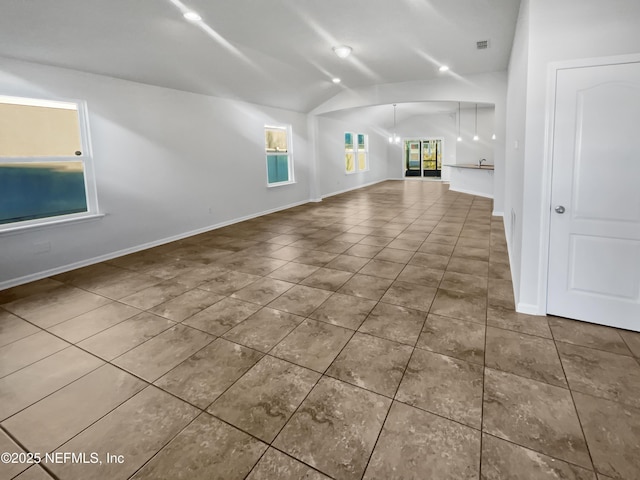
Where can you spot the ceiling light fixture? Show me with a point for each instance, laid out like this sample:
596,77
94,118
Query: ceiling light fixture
459,137
443,68
342,51
493,137
394,138
192,16
336,80
475,136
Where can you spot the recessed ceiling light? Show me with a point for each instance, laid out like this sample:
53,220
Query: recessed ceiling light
192,16
336,80
443,68
343,51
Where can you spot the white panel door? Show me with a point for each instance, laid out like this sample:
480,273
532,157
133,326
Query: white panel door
594,250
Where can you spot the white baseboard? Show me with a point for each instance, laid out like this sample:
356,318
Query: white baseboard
470,192
137,248
529,309
355,188
495,213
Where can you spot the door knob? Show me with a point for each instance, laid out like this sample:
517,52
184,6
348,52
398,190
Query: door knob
560,209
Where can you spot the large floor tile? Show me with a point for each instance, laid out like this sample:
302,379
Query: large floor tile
156,294
55,306
420,275
464,306
262,401
95,321
276,465
32,383
445,386
327,279
227,283
263,291
602,374
10,469
509,319
28,350
205,375
126,335
536,415
632,339
410,295
264,329
26,290
313,344
156,357
335,428
137,429
382,269
504,460
462,282
468,266
456,338
13,328
207,449
525,355
366,286
394,322
186,305
347,263
344,310
300,300
222,316
588,335
416,445
613,435
34,473
293,272
372,363
394,255
52,421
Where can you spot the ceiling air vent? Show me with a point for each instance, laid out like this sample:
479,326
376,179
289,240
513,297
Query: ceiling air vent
482,44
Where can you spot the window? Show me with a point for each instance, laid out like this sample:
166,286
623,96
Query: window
356,148
279,160
43,162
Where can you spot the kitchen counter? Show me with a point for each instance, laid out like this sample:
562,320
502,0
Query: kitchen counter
471,179
469,165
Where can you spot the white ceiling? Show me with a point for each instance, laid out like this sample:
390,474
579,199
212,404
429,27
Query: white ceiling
270,52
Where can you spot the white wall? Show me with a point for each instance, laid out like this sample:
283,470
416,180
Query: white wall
515,142
481,88
557,31
330,157
163,158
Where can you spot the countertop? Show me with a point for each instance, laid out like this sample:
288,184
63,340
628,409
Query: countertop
469,165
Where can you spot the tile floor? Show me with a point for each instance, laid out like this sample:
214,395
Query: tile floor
372,335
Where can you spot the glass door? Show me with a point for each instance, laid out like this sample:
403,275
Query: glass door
412,158
431,158
423,158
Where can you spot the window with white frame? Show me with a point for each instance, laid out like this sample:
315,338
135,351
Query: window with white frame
277,142
356,147
45,168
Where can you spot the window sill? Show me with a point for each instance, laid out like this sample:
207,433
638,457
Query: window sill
279,184
9,230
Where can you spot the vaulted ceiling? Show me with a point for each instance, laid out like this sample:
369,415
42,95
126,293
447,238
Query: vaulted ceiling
270,52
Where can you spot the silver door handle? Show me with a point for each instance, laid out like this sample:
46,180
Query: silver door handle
559,209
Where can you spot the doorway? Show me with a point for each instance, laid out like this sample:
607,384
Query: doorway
423,157
594,241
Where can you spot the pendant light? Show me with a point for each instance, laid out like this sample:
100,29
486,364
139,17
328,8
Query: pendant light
394,138
459,137
475,136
